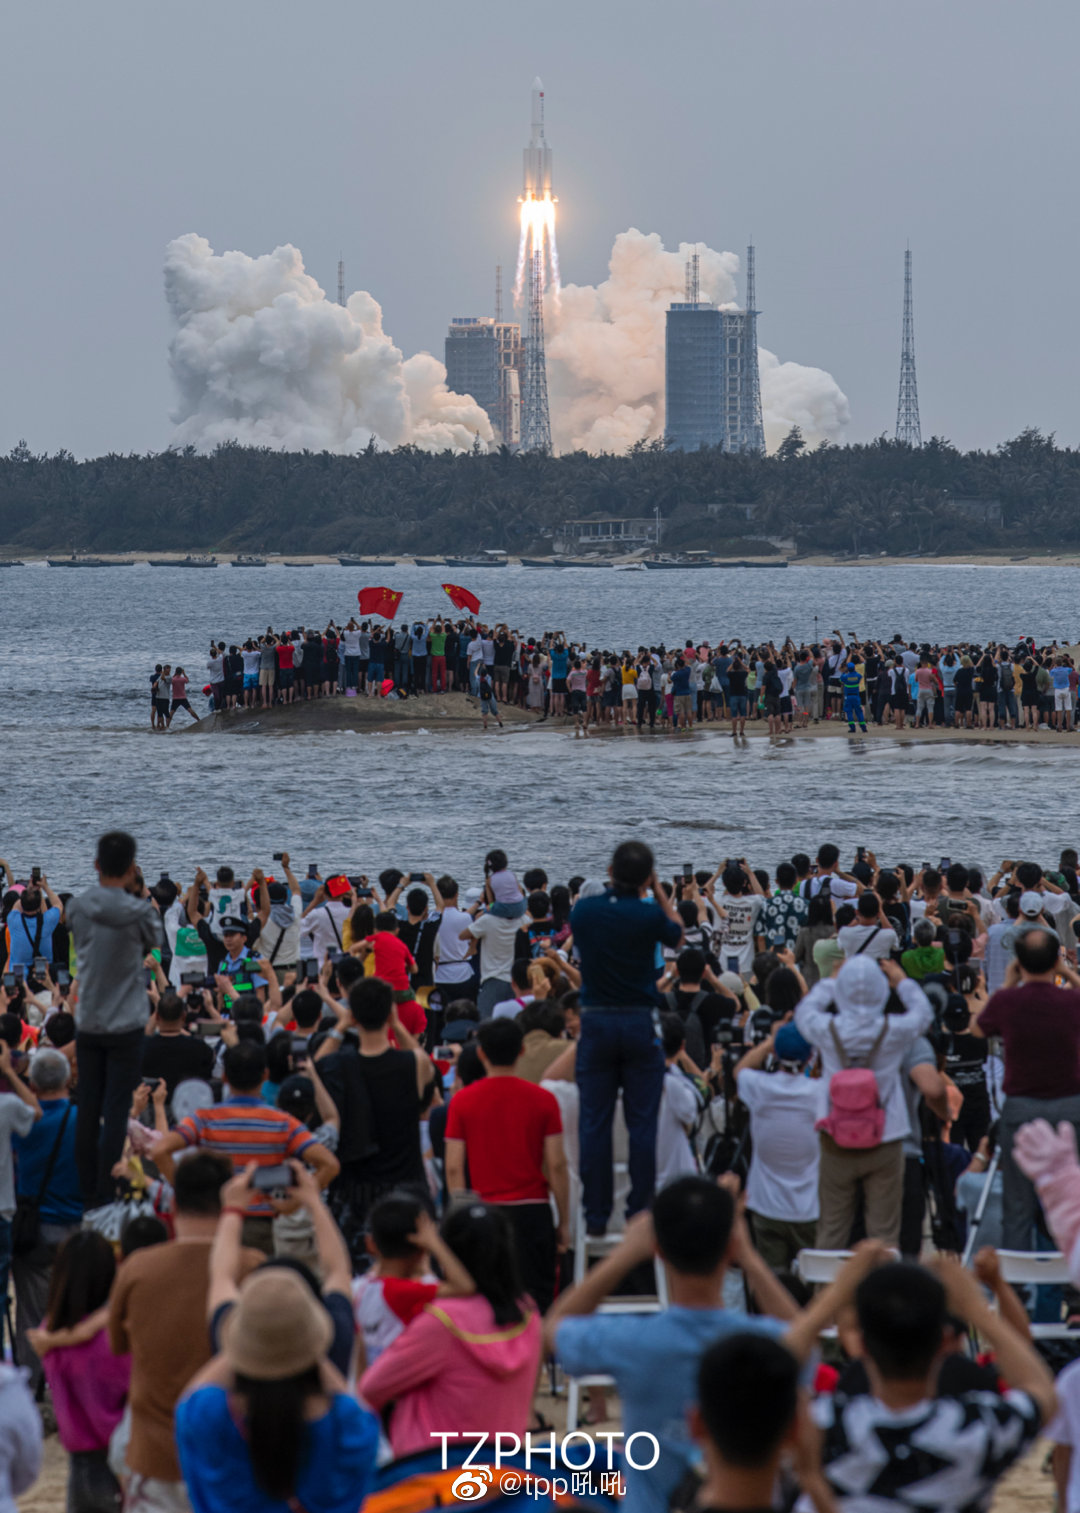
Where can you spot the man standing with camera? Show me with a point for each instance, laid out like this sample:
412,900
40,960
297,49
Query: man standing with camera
1039,1023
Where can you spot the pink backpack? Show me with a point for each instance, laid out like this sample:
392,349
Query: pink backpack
856,1119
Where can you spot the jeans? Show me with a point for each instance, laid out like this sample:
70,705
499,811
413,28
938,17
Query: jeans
1006,706
474,678
352,672
950,706
618,1048
1019,1202
925,706
402,662
493,990
108,1075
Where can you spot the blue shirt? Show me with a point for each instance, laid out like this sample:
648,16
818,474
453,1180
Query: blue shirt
62,1203
615,935
654,1360
419,643
680,681
23,930
337,1467
560,661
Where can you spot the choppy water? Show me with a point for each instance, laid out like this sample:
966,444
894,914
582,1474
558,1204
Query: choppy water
77,648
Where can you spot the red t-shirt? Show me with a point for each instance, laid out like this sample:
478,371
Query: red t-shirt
504,1122
1040,1025
285,655
393,961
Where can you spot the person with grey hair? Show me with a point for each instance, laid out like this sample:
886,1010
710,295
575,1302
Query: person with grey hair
47,1177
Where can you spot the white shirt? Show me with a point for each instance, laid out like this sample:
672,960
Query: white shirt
851,937
1064,1429
679,1108
783,1178
496,937
839,887
475,649
251,662
289,949
857,1030
224,901
451,952
351,638
318,927
742,917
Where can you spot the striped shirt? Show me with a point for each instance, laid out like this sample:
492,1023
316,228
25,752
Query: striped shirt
246,1129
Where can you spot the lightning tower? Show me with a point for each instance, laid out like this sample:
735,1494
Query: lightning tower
907,406
341,281
751,427
536,421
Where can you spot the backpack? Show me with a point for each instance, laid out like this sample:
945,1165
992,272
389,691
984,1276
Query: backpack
856,1118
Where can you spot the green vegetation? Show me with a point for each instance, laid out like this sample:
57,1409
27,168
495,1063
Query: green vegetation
856,499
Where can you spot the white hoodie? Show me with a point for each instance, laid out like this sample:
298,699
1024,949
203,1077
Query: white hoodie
859,993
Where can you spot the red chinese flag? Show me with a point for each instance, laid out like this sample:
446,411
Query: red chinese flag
379,601
460,598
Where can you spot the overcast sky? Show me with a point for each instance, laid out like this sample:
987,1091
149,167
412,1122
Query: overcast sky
833,131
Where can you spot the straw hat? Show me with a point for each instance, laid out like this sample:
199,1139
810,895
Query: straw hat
277,1328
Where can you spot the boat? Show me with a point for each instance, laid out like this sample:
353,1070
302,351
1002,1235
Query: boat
191,560
680,563
246,560
11,562
429,561
629,567
299,564
76,561
547,562
363,561
485,559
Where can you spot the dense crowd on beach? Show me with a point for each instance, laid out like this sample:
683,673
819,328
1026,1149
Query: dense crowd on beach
1009,686
303,1179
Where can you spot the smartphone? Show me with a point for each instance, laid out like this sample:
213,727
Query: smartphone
946,863
860,854
298,1046
8,980
192,979
311,969
313,870
206,1029
41,966
416,877
444,1053
733,964
151,1082
364,893
687,871
63,978
278,855
35,874
268,1179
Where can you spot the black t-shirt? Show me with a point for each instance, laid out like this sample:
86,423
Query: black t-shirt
176,1058
965,1062
419,937
737,680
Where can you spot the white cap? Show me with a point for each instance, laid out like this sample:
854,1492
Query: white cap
1031,904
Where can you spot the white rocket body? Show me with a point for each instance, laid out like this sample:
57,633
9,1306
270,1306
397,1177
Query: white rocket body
537,155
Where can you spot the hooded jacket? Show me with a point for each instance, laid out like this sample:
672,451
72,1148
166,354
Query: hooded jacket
453,1367
112,932
853,1002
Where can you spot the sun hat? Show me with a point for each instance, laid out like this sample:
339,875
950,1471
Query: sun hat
277,1328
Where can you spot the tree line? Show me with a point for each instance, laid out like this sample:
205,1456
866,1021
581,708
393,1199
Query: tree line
866,498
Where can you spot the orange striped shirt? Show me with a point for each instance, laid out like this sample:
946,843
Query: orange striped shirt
246,1129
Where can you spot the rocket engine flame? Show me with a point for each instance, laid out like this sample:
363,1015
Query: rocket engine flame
537,235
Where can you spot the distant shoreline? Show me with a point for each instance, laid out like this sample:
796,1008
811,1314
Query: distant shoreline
225,559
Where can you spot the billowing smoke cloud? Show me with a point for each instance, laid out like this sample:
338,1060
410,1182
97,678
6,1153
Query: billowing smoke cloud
262,357
605,349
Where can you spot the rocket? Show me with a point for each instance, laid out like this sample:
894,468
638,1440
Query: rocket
538,154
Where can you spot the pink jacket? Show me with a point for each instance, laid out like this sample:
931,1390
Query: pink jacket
453,1368
1049,1158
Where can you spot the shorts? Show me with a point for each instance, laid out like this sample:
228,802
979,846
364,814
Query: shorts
612,698
684,706
374,672
267,676
629,693
786,704
772,704
1063,698
488,706
160,705
738,706
251,680
180,704
558,685
579,702
286,676
716,696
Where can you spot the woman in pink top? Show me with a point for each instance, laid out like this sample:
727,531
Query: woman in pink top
89,1384
464,1362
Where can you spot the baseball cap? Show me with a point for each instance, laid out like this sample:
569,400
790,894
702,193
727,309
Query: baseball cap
790,1045
1031,904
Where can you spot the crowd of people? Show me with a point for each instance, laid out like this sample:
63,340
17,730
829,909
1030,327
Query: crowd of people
788,687
301,1178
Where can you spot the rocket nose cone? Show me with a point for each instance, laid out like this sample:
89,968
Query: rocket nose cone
538,83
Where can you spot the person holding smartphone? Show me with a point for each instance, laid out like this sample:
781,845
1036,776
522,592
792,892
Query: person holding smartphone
32,923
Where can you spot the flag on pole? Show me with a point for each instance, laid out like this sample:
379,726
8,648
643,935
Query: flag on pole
460,598
379,601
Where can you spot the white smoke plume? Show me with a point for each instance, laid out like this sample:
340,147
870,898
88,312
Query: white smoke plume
605,350
262,357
